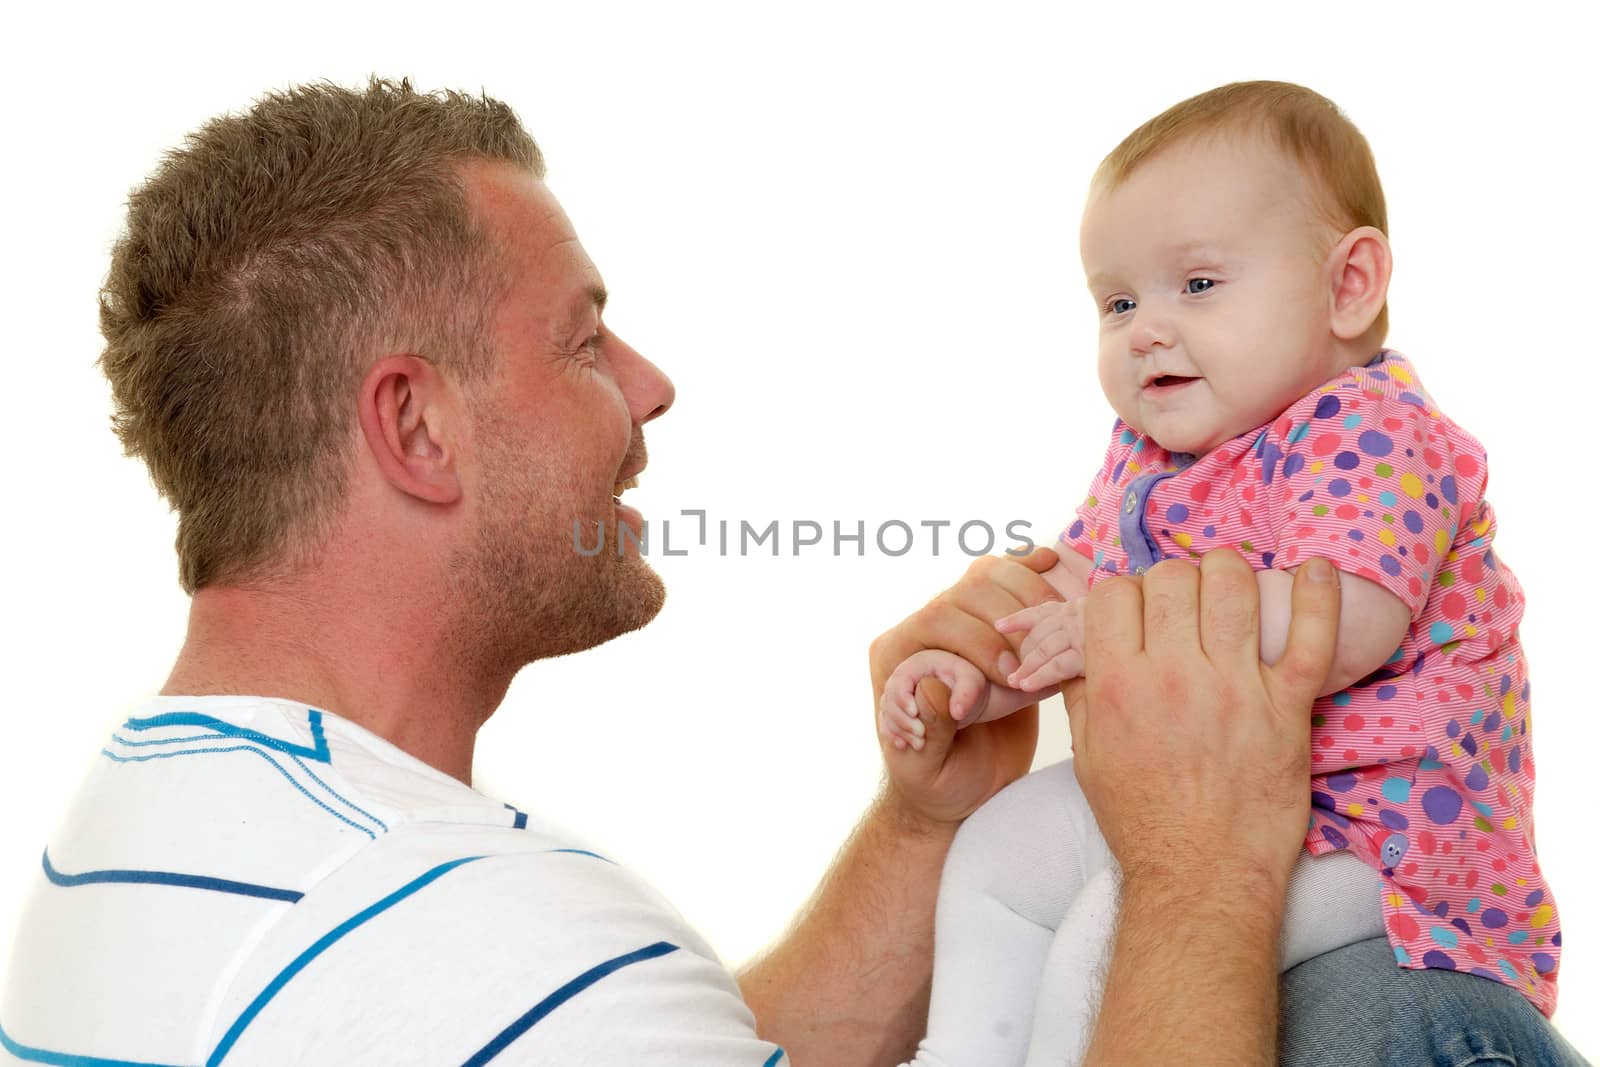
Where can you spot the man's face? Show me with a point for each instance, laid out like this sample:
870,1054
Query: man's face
1214,316
556,431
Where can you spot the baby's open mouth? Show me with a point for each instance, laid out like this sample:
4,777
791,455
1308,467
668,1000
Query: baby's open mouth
1173,379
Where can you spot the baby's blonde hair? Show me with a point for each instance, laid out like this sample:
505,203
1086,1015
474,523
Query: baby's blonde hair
1304,125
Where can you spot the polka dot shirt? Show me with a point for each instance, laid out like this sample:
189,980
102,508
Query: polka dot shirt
1424,769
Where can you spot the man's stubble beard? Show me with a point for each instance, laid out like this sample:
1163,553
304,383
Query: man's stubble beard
524,591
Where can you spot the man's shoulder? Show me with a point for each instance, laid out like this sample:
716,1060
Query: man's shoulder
512,869
268,793
346,897
445,931
249,790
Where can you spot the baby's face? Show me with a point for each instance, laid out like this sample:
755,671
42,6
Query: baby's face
1214,309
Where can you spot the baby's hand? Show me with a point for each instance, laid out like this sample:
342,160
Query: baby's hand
1053,650
897,714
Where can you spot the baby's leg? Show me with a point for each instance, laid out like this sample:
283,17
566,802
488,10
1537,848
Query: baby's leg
1013,868
1333,901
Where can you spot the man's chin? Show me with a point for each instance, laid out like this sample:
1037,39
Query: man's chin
627,600
640,595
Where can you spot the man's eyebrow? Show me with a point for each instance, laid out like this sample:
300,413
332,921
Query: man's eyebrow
593,298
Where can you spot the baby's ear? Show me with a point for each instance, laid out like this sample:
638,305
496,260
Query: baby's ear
1358,281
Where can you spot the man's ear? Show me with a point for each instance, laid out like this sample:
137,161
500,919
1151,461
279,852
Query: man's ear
1358,271
406,408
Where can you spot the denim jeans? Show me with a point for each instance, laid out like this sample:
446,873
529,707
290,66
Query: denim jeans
1353,1007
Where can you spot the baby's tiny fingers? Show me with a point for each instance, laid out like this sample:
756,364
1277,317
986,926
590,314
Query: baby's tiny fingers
1038,655
1031,643
901,722
965,693
898,689
1053,643
1068,664
1023,619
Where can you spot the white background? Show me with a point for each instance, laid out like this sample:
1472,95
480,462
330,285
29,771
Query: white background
850,236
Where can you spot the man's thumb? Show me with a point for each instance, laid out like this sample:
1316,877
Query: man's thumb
1313,632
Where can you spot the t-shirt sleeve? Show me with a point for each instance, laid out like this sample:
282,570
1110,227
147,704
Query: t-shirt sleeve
1089,529
1367,473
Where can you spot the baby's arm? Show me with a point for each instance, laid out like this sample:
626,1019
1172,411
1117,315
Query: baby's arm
973,699
1372,623
1070,576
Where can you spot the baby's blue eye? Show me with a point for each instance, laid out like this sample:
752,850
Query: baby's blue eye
1115,306
1207,282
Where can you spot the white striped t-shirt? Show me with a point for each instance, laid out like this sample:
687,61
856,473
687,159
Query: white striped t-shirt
246,880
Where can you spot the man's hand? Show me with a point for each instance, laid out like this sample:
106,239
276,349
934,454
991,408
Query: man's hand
1186,744
955,771
1195,757
848,985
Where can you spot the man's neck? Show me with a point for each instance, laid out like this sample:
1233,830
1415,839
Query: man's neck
388,667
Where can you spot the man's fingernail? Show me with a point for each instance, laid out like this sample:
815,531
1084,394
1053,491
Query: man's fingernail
1008,663
1321,570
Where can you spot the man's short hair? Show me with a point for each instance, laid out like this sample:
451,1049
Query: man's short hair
1306,126
266,263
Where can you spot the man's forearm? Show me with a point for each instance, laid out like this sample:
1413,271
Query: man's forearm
1193,976
848,984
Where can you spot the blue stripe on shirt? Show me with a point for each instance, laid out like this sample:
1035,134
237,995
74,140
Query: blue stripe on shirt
29,1054
318,752
241,748
321,945
560,997
772,1060
187,881
335,793
583,852
358,809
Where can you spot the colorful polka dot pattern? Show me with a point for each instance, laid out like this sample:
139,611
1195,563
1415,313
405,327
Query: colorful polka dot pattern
1426,770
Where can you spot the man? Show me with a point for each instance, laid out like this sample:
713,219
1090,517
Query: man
358,344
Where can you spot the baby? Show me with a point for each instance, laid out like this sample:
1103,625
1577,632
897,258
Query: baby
1235,247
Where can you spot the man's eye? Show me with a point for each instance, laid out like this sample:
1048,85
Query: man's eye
587,355
1205,283
1114,306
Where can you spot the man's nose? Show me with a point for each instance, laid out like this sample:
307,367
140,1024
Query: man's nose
648,391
